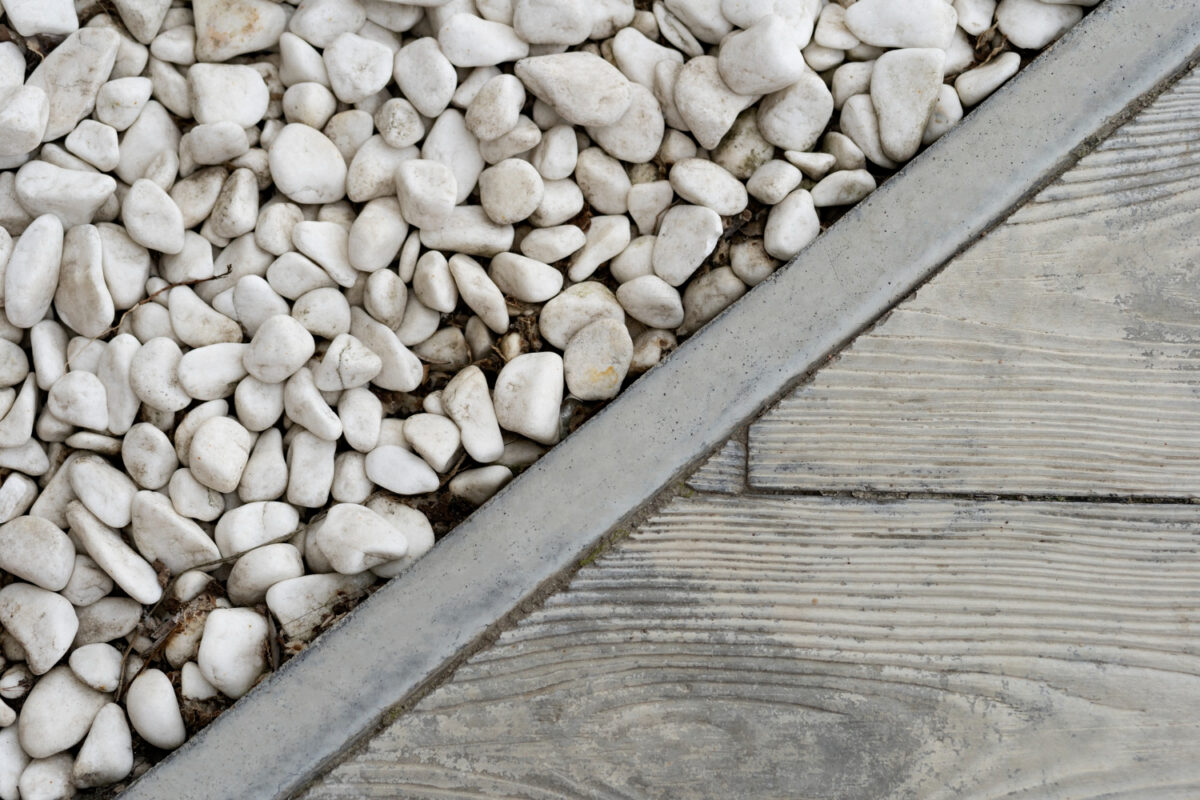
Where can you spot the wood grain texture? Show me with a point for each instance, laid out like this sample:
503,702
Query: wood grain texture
810,647
724,471
1060,355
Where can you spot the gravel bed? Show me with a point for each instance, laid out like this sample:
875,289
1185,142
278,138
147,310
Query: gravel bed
289,289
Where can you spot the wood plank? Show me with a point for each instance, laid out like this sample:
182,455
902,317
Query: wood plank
724,471
1058,356
811,647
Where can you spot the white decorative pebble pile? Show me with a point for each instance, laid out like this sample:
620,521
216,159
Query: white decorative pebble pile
286,286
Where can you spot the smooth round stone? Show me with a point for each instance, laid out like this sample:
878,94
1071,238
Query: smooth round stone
303,403
154,711
44,623
553,22
411,523
348,364
707,106
596,360
228,28
24,113
152,219
637,135
193,686
306,166
57,713
88,582
761,59
791,225
233,650
377,235
31,277
525,279
470,41
709,295
361,413
774,181
575,307
496,108
582,88
976,84
162,534
707,184
400,471
479,293
154,374
1032,24
266,475
106,755
468,402
904,89
433,436
842,188
795,117
260,569
232,92
427,190
510,191
219,452
310,470
686,236
79,398
12,762
107,619
554,243
98,665
106,491
75,196
528,396
354,539
127,569
425,76
652,301
279,348
301,604
357,67
36,550
47,778
253,525
213,371
902,23
476,486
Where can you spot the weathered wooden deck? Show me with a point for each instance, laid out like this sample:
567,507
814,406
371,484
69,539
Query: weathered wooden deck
962,561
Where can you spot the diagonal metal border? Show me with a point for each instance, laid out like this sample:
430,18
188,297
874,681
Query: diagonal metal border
285,731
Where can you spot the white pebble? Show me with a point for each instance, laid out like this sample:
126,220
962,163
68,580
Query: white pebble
976,84
791,225
219,452
106,547
902,23
44,623
904,88
233,650
154,711
582,88
400,471
106,755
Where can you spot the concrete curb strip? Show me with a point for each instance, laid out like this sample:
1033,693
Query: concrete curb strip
275,739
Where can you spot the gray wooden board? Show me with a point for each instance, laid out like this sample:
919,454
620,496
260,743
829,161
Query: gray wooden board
1060,355
810,647
406,635
725,470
